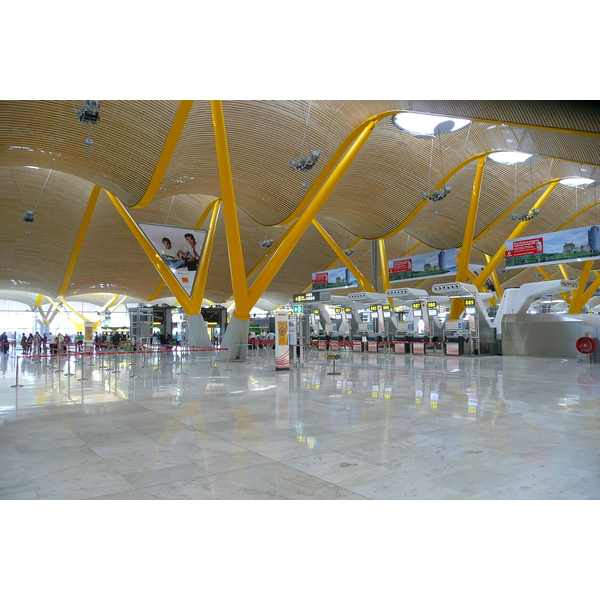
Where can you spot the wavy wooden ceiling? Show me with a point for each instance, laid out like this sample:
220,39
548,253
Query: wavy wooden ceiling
378,192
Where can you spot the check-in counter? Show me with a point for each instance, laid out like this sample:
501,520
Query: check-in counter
454,345
373,343
401,344
419,343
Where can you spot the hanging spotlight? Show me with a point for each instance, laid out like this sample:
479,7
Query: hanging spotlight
526,216
28,216
306,163
349,251
266,243
437,195
90,113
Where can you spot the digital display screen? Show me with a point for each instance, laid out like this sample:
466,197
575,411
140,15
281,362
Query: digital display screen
432,312
416,305
470,310
432,305
417,313
373,308
470,302
348,309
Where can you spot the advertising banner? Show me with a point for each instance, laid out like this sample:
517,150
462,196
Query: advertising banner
335,278
570,245
419,266
180,248
282,347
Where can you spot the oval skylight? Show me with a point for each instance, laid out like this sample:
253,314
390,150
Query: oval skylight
575,181
509,158
419,124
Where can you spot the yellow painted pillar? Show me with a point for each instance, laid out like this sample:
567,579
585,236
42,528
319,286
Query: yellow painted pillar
340,254
576,303
495,261
232,228
304,220
457,305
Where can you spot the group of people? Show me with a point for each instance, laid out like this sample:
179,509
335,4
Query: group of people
36,343
177,258
261,340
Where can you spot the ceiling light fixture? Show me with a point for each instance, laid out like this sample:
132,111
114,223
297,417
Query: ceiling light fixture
349,251
437,195
266,243
526,216
89,114
306,163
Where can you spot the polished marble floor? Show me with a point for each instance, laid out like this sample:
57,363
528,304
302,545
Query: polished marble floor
372,426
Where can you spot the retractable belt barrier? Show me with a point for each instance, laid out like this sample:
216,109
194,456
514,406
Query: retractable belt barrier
56,359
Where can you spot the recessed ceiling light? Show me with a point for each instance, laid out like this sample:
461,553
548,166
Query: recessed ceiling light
509,158
575,181
420,124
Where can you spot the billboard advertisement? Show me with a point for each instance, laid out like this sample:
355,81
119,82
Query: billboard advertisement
179,247
419,266
335,278
570,245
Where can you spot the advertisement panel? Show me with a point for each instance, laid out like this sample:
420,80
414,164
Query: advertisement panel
570,245
418,266
179,247
335,278
282,348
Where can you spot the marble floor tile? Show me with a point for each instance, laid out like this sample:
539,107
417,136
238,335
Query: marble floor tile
385,428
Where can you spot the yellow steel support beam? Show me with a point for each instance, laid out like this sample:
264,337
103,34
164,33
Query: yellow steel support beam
234,244
202,272
457,305
208,211
576,215
85,223
481,288
495,279
157,291
44,317
385,273
495,261
304,220
75,312
334,160
576,303
589,292
340,254
446,178
159,264
167,152
547,277
59,309
512,207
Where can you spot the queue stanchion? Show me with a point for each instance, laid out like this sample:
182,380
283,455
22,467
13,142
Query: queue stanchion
133,363
17,384
83,377
59,369
116,369
68,373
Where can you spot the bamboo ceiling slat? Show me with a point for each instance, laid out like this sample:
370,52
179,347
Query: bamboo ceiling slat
379,190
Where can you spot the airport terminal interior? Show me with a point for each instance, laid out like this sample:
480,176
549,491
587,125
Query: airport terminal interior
299,300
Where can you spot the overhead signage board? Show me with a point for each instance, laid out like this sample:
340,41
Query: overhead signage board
335,278
312,297
569,245
419,266
180,249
